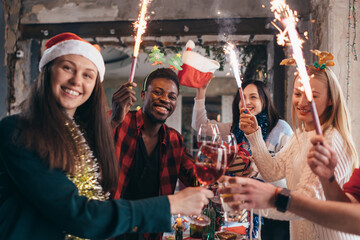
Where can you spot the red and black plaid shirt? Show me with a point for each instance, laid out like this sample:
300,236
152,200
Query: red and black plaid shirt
174,159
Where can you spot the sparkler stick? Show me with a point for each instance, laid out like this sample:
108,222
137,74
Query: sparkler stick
284,14
141,26
229,49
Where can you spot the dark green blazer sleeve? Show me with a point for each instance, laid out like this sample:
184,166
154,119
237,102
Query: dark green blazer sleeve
49,198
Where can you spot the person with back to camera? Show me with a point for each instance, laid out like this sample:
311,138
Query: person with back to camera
275,131
57,158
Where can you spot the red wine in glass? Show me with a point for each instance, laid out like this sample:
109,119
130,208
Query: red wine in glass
229,141
207,173
231,155
209,166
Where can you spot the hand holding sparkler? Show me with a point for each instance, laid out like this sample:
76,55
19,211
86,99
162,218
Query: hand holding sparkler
248,122
122,100
322,159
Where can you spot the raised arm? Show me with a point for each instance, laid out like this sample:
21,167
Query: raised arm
122,100
199,115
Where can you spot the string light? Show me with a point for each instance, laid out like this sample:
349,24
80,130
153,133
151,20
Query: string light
351,43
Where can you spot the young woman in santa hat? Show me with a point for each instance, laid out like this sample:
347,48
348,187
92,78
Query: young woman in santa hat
58,161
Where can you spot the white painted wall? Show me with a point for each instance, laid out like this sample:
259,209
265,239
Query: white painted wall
337,41
175,119
226,108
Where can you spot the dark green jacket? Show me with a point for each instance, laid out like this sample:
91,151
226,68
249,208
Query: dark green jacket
39,203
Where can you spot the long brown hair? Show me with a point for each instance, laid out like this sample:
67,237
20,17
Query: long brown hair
44,129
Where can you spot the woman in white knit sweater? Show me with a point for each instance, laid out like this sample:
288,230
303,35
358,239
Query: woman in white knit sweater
291,161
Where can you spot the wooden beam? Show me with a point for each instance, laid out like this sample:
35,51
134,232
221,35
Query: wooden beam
184,27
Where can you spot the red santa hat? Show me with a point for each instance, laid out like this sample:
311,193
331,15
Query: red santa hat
70,43
197,69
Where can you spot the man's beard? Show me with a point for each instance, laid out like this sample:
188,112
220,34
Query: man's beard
153,118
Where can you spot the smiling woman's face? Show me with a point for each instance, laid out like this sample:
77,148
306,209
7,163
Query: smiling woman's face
252,99
301,104
73,79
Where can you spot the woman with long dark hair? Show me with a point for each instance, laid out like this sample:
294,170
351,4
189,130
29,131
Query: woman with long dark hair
275,132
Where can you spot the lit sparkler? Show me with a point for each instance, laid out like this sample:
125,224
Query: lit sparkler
229,49
288,17
140,24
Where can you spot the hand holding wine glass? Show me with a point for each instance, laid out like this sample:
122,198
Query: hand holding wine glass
231,213
209,166
189,200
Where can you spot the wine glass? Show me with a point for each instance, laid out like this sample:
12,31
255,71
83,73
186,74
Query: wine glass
209,166
229,141
208,133
230,214
231,147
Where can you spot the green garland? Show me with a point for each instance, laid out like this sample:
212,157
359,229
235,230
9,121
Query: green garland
252,56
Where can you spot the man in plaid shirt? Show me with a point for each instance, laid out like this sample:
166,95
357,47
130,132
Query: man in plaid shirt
152,156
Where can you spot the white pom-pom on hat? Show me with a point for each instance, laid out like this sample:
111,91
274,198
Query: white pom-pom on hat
190,44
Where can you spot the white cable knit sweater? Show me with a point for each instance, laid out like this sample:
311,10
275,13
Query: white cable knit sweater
291,163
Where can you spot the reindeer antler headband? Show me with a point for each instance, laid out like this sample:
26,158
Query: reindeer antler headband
323,61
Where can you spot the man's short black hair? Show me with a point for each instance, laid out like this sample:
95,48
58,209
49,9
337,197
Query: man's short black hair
161,73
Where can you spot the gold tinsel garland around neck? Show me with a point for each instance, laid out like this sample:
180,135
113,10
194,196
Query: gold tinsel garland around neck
86,172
